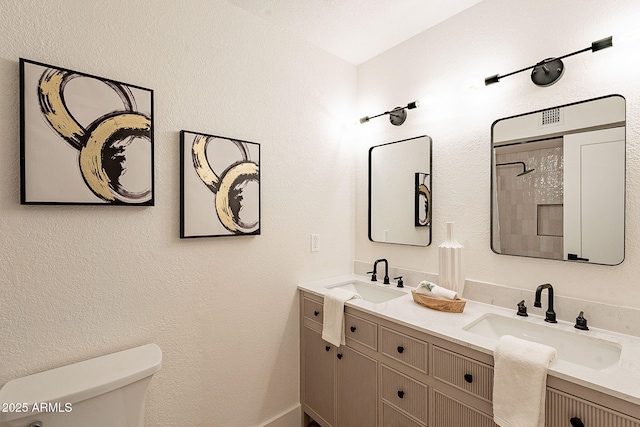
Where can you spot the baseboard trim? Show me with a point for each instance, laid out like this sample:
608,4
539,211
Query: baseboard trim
288,418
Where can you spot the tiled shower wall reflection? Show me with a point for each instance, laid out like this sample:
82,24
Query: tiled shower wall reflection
530,206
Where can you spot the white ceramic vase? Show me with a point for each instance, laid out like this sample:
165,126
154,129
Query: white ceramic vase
450,263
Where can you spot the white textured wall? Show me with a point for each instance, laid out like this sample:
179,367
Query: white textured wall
500,36
82,281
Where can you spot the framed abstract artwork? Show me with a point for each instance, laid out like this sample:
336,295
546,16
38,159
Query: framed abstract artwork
219,186
84,139
422,200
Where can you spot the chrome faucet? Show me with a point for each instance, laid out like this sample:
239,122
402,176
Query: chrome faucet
374,273
550,314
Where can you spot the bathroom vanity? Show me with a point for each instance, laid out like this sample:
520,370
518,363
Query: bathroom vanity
406,365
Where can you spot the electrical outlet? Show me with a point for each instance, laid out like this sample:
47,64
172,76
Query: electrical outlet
315,243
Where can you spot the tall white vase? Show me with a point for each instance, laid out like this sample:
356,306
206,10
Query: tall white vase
450,263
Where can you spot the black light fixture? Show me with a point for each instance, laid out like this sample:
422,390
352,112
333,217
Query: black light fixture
549,71
397,116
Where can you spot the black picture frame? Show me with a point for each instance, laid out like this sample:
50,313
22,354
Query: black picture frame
422,200
219,186
84,139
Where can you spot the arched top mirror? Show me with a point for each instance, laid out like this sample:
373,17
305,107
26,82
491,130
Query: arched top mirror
400,192
558,182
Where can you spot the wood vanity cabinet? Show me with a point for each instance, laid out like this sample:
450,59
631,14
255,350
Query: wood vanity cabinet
339,385
390,375
318,362
569,404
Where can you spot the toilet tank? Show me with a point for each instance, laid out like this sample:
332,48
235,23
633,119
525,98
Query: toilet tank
107,391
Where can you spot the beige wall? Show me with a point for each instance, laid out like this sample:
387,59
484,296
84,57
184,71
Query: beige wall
500,36
82,281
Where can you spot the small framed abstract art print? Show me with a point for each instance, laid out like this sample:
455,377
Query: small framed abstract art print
422,200
219,186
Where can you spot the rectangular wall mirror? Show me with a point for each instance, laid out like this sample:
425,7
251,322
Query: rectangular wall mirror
400,192
558,182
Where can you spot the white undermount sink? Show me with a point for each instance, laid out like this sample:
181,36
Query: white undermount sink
571,346
372,292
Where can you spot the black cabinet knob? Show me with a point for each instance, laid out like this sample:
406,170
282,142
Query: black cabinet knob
576,422
400,394
327,348
400,349
353,328
316,312
468,378
339,355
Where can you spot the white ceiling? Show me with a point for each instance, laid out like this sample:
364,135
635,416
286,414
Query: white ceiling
355,30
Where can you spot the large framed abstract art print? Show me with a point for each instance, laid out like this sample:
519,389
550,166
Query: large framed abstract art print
84,139
219,186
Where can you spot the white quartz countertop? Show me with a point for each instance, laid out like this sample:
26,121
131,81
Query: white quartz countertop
622,381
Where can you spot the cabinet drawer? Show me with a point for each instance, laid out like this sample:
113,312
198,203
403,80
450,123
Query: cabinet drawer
448,412
469,375
562,407
312,310
394,418
404,393
362,331
403,348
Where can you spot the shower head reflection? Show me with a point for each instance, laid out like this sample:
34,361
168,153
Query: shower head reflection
526,171
524,167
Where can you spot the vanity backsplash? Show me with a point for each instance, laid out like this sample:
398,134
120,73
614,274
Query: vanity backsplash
623,320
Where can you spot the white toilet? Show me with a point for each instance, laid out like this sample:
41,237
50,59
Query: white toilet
107,391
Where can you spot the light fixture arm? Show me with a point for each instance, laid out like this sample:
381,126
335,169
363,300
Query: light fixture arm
397,116
556,62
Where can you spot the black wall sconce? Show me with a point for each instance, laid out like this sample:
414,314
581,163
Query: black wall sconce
549,71
397,116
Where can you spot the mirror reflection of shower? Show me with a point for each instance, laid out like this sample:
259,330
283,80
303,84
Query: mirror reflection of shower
524,167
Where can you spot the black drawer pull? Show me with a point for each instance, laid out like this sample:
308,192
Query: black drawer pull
316,312
353,328
339,355
576,422
468,378
400,349
400,394
327,348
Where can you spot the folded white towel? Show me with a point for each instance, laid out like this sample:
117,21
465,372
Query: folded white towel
333,316
433,290
519,382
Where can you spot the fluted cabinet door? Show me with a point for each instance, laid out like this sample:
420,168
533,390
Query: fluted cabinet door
319,376
357,385
448,412
563,409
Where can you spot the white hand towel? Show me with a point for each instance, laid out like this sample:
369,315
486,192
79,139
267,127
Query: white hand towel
333,316
433,290
519,382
